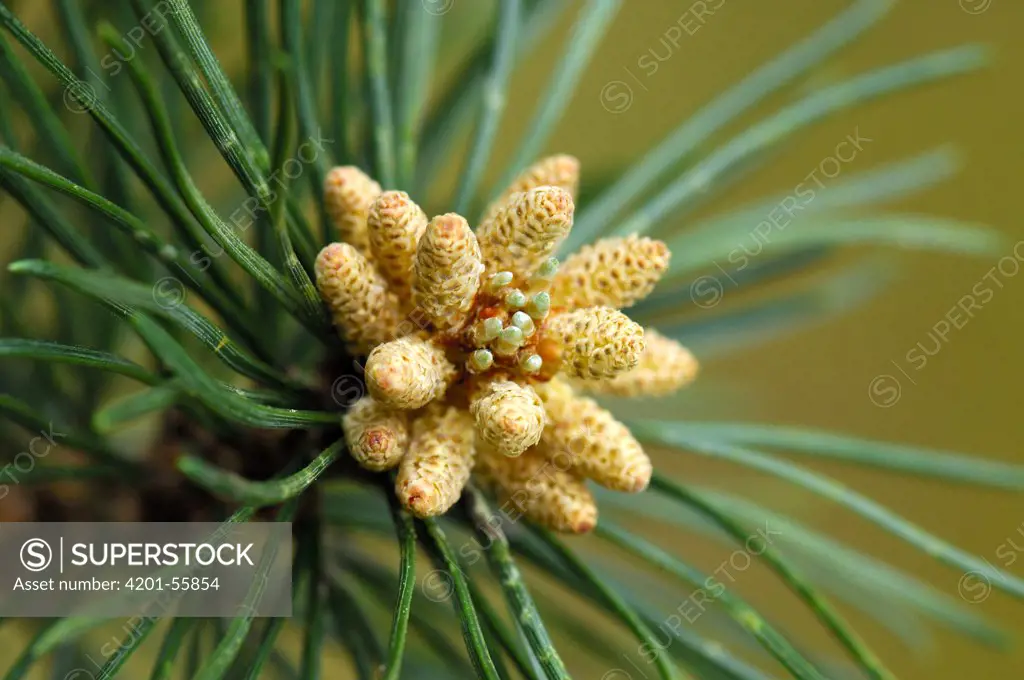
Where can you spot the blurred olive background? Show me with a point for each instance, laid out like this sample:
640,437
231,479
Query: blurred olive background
965,398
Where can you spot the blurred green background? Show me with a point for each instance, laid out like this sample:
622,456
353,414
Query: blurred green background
965,398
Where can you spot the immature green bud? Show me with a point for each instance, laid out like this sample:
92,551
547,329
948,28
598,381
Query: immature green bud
542,278
548,269
499,281
480,361
539,305
513,335
492,329
515,299
509,341
523,321
531,363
